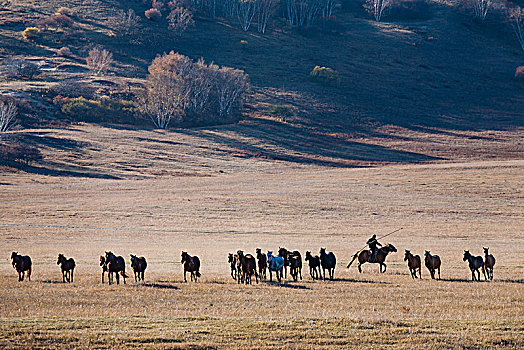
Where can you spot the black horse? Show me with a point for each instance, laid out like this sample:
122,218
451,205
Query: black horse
191,264
475,263
115,264
67,266
139,265
328,262
314,265
21,263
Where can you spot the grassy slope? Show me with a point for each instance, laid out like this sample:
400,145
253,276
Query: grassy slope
404,98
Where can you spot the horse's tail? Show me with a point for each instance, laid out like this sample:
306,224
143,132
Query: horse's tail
354,258
123,273
197,274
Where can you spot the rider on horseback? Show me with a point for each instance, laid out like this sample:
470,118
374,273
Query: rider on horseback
373,243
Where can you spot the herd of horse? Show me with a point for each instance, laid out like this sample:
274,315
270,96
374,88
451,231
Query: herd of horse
244,266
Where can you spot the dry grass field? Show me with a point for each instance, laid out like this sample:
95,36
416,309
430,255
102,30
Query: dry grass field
445,208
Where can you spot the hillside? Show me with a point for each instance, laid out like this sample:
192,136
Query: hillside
438,88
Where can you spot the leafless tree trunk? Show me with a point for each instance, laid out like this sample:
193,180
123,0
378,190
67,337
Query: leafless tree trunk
302,13
99,60
517,17
328,6
245,13
265,10
229,8
8,113
377,7
481,8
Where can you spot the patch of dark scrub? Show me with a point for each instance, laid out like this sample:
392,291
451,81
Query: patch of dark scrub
159,286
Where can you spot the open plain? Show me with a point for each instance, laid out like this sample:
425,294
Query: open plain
445,208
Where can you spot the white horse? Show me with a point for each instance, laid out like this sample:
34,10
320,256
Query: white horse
275,263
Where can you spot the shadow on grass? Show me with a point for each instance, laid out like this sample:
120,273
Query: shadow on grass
159,286
359,281
52,282
285,285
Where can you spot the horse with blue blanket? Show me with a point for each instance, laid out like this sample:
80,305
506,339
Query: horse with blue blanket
275,264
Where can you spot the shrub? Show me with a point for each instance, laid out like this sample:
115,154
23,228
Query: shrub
73,88
283,112
56,21
153,14
519,72
64,52
325,76
104,110
99,60
21,68
179,20
18,153
64,11
31,33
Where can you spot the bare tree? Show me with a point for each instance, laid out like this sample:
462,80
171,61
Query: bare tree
8,113
231,84
229,8
481,8
265,10
377,7
99,60
165,94
125,23
200,86
303,12
160,100
517,20
180,19
328,7
246,10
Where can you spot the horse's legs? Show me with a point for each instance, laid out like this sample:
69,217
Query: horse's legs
439,272
72,273
117,278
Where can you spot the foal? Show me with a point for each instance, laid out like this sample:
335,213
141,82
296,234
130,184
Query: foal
231,259
138,265
475,263
67,266
489,263
413,264
314,265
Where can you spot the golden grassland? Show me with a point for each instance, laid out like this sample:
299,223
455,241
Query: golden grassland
445,208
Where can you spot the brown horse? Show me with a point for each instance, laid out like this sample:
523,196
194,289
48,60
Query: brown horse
328,261
139,265
248,267
262,263
432,263
21,263
364,256
67,266
283,253
489,263
295,264
191,264
413,264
